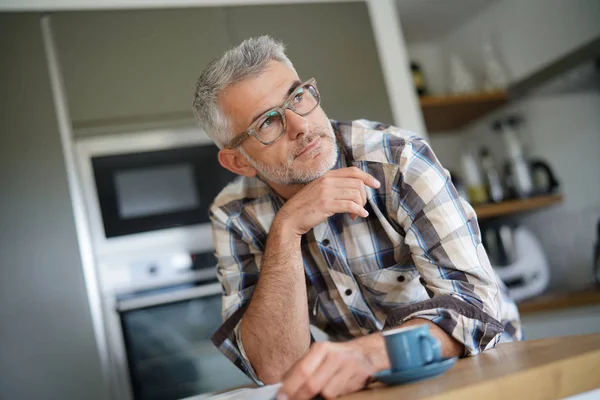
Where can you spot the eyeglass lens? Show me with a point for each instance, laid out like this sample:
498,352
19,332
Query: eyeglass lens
270,126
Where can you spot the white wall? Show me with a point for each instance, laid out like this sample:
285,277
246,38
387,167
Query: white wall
562,128
429,57
527,33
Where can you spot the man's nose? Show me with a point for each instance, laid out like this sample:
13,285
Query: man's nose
296,125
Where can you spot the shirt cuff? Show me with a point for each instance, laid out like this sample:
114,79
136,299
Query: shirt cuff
469,325
245,360
228,340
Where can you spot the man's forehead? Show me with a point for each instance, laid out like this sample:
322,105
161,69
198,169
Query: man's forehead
243,100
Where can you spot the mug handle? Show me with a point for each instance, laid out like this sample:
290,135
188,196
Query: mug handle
431,348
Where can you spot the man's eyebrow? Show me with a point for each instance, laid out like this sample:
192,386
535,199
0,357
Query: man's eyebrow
293,87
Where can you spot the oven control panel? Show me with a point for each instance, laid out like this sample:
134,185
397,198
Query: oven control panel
155,270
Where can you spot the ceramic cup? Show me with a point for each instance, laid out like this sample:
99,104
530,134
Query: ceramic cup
411,347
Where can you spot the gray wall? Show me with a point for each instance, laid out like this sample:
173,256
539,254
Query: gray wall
47,346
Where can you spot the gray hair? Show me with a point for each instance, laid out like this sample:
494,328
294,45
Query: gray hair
248,60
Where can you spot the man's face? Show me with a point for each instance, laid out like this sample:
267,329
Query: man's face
307,149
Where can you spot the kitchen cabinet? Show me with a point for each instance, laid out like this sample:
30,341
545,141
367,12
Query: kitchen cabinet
333,43
126,68
121,67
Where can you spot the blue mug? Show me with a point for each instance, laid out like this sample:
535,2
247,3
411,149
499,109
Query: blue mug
411,347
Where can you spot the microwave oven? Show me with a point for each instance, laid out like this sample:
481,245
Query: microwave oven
150,190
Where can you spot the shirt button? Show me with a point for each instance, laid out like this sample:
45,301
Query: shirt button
400,278
326,242
348,292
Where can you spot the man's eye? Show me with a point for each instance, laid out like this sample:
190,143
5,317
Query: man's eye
298,97
266,123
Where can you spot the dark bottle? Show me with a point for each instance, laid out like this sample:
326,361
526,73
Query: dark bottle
418,78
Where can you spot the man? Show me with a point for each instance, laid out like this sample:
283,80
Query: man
352,227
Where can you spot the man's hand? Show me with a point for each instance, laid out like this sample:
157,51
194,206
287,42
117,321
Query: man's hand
329,369
338,191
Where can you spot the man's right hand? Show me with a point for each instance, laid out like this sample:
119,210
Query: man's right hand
338,191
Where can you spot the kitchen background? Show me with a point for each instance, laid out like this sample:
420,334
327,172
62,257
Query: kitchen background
128,71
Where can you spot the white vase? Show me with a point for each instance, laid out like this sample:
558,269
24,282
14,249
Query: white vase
495,75
461,79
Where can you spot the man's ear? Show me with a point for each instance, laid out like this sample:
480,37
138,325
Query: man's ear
233,160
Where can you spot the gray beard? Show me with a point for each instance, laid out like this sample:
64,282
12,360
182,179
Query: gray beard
285,174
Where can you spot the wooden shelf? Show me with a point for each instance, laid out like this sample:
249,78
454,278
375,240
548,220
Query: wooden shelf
446,113
516,206
560,301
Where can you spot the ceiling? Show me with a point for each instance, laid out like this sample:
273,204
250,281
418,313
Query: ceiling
426,20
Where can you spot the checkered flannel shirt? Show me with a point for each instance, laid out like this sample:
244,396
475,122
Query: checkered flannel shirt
417,255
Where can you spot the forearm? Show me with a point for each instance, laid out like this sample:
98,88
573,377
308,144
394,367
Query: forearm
275,327
373,346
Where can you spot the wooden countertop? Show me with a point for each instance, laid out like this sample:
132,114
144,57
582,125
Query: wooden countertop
534,369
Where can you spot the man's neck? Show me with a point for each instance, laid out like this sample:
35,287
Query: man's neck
285,191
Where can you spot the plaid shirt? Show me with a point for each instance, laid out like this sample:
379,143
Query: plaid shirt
417,255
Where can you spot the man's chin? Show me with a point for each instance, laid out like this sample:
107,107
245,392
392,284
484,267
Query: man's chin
315,168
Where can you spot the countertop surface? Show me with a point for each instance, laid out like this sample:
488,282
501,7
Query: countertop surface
535,369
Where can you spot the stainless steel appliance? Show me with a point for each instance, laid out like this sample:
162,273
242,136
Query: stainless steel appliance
159,335
147,196
150,189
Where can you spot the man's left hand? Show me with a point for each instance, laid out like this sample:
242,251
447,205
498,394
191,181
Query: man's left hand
329,369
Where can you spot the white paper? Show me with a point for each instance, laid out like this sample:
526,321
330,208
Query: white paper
262,393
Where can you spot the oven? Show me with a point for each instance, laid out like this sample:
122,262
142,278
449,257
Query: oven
160,329
167,339
147,197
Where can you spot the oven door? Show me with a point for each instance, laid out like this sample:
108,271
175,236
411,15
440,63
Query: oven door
167,340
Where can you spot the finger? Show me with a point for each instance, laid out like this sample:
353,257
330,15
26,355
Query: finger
347,380
347,194
357,173
352,183
363,193
343,194
303,369
315,383
346,206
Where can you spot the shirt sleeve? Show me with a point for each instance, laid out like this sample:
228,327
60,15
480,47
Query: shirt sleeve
237,272
445,242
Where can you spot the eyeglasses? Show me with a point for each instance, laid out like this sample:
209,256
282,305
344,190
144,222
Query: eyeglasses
271,125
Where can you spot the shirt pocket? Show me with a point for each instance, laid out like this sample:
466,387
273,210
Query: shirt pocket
390,287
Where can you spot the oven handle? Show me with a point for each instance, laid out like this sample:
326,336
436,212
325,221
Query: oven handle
171,297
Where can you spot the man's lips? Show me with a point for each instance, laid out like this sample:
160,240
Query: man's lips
310,146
